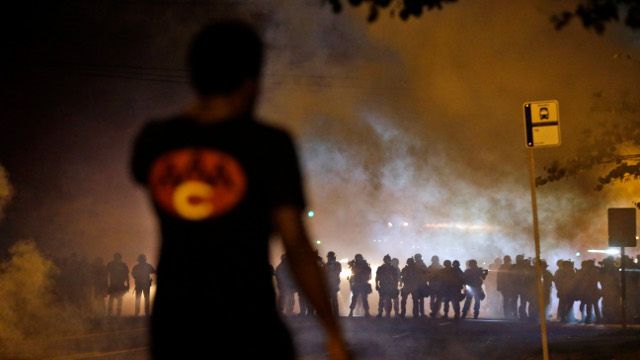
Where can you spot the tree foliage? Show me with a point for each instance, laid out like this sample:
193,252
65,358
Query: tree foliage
594,14
612,147
405,9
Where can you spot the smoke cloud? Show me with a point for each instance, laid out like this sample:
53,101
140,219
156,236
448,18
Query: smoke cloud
413,141
29,309
415,123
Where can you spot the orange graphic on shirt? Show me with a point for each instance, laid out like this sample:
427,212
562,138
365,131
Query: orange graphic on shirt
197,184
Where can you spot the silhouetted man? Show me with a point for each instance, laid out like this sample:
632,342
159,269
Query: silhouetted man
395,299
433,276
565,280
332,270
118,283
473,278
359,281
386,284
588,292
610,281
286,287
222,182
423,289
141,273
100,285
452,281
506,288
411,279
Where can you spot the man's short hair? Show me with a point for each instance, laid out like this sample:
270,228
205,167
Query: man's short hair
223,56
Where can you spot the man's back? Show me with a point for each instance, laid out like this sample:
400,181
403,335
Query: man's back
212,187
142,274
118,272
221,183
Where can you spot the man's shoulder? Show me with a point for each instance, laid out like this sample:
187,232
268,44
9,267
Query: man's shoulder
257,127
269,131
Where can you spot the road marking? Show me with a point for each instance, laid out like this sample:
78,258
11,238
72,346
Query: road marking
95,355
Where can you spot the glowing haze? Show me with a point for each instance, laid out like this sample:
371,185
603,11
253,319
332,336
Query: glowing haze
416,145
410,133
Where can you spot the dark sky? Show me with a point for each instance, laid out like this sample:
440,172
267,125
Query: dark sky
397,122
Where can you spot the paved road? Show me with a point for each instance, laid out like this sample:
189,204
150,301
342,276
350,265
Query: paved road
475,339
371,339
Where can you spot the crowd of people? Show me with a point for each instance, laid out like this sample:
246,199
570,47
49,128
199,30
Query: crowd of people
594,288
93,288
99,288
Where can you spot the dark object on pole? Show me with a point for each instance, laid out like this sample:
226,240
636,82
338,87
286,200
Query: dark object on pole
623,287
622,227
622,233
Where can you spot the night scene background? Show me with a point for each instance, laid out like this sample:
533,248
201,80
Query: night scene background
410,132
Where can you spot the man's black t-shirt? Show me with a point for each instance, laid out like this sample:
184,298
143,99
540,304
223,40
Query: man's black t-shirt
213,187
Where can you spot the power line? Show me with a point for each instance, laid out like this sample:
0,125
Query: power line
180,75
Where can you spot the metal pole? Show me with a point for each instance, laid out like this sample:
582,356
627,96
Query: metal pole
623,287
536,238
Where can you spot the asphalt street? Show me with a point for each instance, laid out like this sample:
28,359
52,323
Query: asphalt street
370,339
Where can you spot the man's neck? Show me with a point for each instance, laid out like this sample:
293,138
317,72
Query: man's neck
215,108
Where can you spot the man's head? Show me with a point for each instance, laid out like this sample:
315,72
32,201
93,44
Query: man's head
117,257
224,57
142,258
387,259
331,255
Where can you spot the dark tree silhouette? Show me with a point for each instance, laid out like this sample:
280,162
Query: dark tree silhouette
606,146
610,147
594,14
403,8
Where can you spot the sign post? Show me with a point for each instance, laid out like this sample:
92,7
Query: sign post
622,233
542,129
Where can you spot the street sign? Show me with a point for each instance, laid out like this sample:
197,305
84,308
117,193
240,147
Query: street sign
542,123
622,227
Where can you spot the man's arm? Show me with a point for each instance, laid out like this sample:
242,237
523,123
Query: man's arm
302,260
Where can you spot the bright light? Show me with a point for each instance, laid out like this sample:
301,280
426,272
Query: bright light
606,251
389,224
344,261
318,242
405,224
578,254
460,226
311,214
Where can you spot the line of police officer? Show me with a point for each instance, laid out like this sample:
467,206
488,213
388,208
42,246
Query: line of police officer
85,286
446,285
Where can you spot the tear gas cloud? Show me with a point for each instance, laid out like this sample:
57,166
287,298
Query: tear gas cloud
413,142
414,122
29,308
